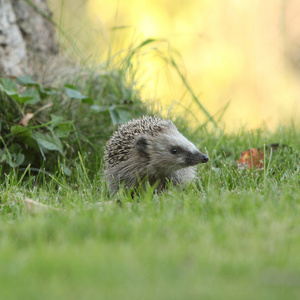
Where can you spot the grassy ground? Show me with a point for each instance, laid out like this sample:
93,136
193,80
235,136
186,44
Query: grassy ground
231,235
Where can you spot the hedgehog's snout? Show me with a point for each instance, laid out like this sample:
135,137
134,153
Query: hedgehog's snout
203,158
195,158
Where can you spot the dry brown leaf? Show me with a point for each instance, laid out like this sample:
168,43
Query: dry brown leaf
252,158
24,122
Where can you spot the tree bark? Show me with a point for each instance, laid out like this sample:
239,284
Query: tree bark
27,39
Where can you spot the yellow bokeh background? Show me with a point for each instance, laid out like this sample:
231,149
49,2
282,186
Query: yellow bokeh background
245,52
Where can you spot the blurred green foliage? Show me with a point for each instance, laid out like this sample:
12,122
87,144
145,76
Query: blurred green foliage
40,125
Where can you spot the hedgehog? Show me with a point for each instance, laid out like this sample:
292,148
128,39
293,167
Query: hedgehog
150,149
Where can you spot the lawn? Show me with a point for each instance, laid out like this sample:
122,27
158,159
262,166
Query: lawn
232,234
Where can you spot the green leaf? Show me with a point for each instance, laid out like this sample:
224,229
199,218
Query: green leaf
72,92
55,120
63,130
88,100
30,96
26,80
119,116
67,171
124,115
20,131
62,127
15,160
8,86
114,115
48,142
49,91
98,108
21,99
24,135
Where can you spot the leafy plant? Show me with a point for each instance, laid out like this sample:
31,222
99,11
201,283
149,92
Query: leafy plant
40,125
24,136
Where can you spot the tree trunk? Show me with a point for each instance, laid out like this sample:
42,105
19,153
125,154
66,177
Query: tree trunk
26,37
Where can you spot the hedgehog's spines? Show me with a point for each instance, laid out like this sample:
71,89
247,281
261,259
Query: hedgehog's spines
119,146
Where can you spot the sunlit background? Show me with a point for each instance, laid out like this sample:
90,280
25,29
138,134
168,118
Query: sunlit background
243,52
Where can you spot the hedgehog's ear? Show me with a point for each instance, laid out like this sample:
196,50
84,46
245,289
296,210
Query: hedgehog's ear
142,144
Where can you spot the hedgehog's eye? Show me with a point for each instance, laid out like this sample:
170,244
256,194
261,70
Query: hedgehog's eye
174,150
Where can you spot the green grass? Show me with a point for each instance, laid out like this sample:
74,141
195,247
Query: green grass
231,235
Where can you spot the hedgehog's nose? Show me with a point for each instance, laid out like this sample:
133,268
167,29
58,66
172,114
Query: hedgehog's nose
196,158
203,158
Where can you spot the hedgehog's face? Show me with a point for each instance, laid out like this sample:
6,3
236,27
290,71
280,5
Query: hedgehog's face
169,152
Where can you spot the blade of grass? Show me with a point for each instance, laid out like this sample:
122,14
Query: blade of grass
170,59
23,175
265,173
183,79
84,170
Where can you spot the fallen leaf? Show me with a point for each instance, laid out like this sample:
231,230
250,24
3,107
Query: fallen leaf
253,158
24,122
